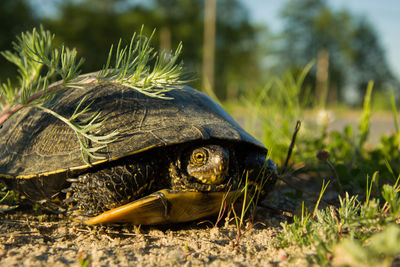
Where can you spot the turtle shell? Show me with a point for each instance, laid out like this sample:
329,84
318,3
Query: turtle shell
34,143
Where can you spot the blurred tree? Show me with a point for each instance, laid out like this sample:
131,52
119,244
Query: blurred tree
355,53
89,27
209,43
15,16
92,26
235,47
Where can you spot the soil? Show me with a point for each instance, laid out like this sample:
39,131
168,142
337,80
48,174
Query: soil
32,238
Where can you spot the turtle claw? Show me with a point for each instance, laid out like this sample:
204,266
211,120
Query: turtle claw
163,200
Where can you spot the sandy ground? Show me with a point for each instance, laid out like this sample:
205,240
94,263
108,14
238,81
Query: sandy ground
34,239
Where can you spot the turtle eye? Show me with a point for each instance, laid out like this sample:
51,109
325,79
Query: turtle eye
199,157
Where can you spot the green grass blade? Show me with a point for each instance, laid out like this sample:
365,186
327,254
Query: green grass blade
364,123
394,110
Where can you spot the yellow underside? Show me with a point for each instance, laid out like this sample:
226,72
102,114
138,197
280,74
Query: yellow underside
178,207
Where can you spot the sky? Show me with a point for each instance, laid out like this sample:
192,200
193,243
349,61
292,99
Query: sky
383,14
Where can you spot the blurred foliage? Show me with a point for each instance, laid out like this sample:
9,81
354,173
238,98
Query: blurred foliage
355,53
353,234
352,158
92,26
362,229
247,55
267,121
381,249
353,161
15,17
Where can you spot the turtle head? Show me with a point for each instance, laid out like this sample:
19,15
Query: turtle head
208,164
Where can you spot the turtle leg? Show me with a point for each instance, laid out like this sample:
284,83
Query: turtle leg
167,206
104,189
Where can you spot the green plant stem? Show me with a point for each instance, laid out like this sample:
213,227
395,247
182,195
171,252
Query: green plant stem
10,110
364,124
369,186
244,201
324,186
1,200
35,50
336,177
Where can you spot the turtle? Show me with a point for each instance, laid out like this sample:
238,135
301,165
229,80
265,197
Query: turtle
173,160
